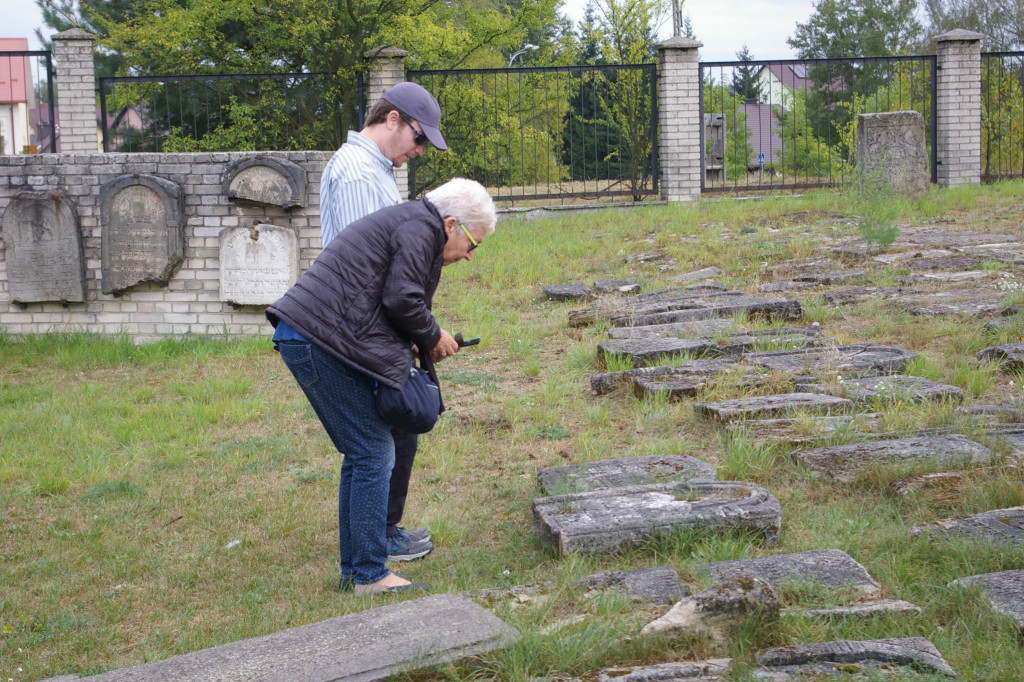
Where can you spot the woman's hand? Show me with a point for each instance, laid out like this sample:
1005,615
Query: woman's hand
446,346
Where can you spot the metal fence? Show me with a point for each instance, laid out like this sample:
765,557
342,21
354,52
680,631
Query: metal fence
1002,115
27,103
793,124
545,132
247,112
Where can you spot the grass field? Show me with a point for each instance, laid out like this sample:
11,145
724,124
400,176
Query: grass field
157,499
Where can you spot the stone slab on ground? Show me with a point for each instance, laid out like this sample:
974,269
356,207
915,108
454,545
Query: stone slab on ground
809,429
622,472
956,303
830,568
947,488
1009,253
1002,526
697,275
860,359
608,381
617,286
861,611
843,463
891,387
770,308
772,405
1010,355
969,276
834,277
951,263
608,520
784,285
696,329
710,670
672,386
360,646
907,658
857,294
930,235
1011,435
568,292
1004,591
651,585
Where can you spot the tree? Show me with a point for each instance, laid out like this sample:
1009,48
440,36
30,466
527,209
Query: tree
745,81
857,28
88,15
1000,21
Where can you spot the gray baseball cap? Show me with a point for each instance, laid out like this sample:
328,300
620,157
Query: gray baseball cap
414,101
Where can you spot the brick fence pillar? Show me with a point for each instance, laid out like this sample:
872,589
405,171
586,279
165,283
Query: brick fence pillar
679,119
387,67
76,91
958,108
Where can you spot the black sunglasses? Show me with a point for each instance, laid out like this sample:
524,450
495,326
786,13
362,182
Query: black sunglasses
421,137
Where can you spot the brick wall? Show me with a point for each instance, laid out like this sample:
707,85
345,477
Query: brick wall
190,303
958,108
679,119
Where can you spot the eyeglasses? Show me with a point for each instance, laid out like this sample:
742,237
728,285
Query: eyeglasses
472,241
421,137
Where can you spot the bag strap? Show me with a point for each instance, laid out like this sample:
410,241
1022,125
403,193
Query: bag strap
427,364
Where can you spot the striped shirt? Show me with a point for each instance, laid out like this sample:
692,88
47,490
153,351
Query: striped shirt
357,181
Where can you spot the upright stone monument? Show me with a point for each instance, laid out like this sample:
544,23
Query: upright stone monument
266,181
44,248
891,151
143,231
258,264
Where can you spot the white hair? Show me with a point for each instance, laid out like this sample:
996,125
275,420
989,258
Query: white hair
468,201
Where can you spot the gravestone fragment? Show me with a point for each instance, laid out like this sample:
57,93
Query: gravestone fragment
617,286
951,262
1011,435
622,472
933,235
704,273
772,405
858,294
650,585
823,278
257,265
907,658
650,349
1001,526
143,231
359,646
608,520
265,180
862,611
770,308
710,670
830,568
957,303
891,152
568,292
947,488
1004,591
1010,355
44,248
809,429
784,285
890,387
697,329
1008,253
702,369
849,360
843,463
674,387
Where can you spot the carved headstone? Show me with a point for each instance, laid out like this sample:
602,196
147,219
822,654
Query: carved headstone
143,231
266,181
44,248
258,264
891,150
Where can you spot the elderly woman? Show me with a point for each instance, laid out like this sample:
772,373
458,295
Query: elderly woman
353,319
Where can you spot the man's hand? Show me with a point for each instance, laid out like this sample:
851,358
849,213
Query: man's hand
446,346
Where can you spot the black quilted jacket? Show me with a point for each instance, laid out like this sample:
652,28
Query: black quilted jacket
366,299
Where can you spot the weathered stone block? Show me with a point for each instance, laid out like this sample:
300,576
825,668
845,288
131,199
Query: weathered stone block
772,405
43,243
622,472
1003,590
911,657
830,568
1002,526
257,265
891,151
652,585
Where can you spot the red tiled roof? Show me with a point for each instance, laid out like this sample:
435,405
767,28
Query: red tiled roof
14,71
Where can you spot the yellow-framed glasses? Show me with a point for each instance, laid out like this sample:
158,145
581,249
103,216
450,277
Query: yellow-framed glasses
471,240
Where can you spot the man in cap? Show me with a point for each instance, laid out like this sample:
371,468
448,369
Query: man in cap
358,180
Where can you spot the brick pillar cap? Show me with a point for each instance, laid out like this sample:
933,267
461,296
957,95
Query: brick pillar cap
679,43
385,51
958,35
74,34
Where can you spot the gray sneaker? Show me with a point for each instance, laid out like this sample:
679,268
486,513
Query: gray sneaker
401,548
416,535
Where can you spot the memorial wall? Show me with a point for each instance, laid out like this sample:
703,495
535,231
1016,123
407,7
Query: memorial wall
154,244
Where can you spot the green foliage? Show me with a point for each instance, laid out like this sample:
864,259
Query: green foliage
745,82
1002,120
805,150
857,28
739,152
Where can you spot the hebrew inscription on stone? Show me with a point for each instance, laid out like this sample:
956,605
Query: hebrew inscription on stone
258,264
143,231
266,181
891,150
44,248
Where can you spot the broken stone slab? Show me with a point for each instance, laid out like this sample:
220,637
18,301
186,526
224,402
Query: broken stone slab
359,646
904,256
1008,253
842,463
784,285
860,611
648,257
568,292
1002,526
719,612
608,520
890,387
704,273
858,294
948,262
829,568
1010,355
969,276
608,381
622,472
661,300
1004,592
649,350
992,413
934,236
696,329
650,585
904,658
946,488
808,429
532,593
771,308
960,302
617,286
824,278
1009,436
711,670
772,405
674,387
851,360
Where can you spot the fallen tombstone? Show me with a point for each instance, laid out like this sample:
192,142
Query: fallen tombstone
360,646
1010,355
705,273
890,387
931,235
648,257
711,670
969,276
1002,526
945,262
824,278
772,405
906,658
696,329
843,463
770,308
808,429
651,585
829,568
905,256
649,349
859,359
672,386
858,294
992,413
1004,592
608,381
784,285
608,520
946,488
859,611
672,298
1008,253
568,292
1010,435
960,302
622,472
532,593
617,286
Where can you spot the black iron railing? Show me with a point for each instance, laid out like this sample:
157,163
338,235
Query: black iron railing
1002,115
246,112
28,80
545,132
793,124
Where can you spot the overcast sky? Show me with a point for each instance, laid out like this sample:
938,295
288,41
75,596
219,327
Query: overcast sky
724,26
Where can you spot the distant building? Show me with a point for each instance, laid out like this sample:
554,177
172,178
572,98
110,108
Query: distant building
17,96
